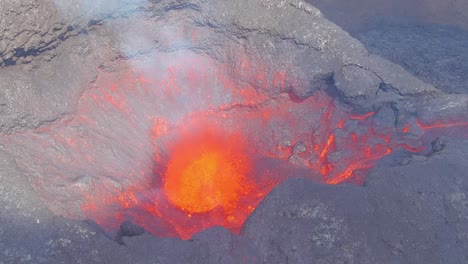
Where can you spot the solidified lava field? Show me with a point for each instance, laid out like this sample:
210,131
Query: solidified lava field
167,123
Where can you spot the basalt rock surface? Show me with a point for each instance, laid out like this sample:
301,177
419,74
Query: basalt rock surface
411,209
436,54
411,213
351,15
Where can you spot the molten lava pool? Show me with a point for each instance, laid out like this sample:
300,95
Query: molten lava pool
207,171
188,143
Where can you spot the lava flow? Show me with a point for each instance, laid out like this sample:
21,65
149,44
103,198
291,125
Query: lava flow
194,143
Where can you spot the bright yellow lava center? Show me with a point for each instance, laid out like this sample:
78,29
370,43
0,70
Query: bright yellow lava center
202,183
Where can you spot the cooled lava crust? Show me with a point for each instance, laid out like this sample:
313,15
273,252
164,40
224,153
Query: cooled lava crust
192,124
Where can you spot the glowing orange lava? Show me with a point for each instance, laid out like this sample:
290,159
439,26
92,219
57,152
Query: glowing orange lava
206,171
191,145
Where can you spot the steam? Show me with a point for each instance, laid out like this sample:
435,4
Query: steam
91,9
107,163
144,43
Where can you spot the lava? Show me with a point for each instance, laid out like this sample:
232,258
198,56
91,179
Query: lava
439,124
207,170
193,143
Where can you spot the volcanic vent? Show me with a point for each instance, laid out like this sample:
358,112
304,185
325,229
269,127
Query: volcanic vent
194,131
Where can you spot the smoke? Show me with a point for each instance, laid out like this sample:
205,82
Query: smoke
90,9
108,162
142,42
130,34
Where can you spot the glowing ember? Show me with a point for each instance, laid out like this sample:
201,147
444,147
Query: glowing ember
206,170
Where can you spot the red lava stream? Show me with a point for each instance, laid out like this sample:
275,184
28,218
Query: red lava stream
175,148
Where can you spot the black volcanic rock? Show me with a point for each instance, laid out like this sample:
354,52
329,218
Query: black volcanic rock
50,55
292,34
436,54
304,222
411,214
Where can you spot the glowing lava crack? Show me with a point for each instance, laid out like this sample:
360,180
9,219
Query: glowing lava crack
206,171
185,146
